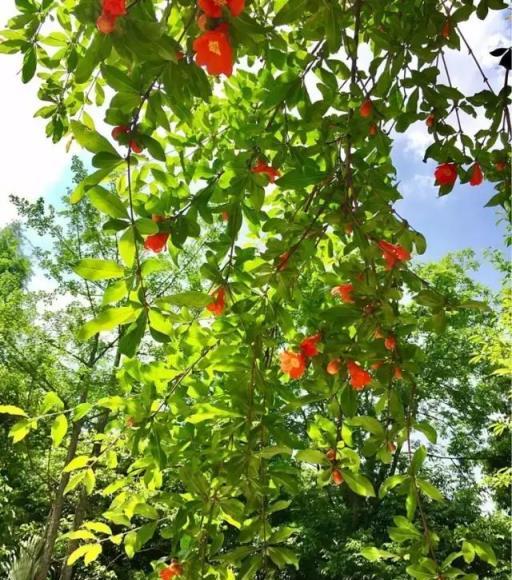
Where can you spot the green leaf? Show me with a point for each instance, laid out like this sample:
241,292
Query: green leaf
29,64
373,554
298,178
368,423
429,490
358,483
391,482
484,552
108,320
418,458
74,481
78,462
89,552
107,202
51,401
127,248
93,269
20,430
12,410
312,456
427,429
59,429
191,298
92,140
81,411
98,527
283,557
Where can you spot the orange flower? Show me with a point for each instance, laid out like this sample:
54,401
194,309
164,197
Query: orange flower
500,165
337,477
430,120
202,22
476,175
214,51
119,130
308,346
283,261
106,23
344,291
218,302
359,378
213,8
393,253
366,108
447,29
331,455
397,373
156,242
269,171
446,174
293,364
135,147
377,364
225,216
172,571
390,342
114,7
373,130
333,368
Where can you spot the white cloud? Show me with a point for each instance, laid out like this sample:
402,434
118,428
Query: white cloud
31,163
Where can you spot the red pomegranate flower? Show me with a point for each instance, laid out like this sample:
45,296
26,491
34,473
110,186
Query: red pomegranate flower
308,347
219,303
390,342
393,253
344,291
359,378
269,171
431,119
119,130
333,368
156,242
337,477
293,364
500,165
106,23
114,7
331,454
283,261
135,147
477,176
397,373
366,108
172,571
213,8
214,51
446,29
446,174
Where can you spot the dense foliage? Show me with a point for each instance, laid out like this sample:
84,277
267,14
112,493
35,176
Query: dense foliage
247,339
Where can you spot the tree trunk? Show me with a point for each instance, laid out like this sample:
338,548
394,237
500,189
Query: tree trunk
53,522
66,572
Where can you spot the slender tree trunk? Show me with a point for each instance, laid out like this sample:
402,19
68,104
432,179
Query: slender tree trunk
66,572
53,522
81,509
